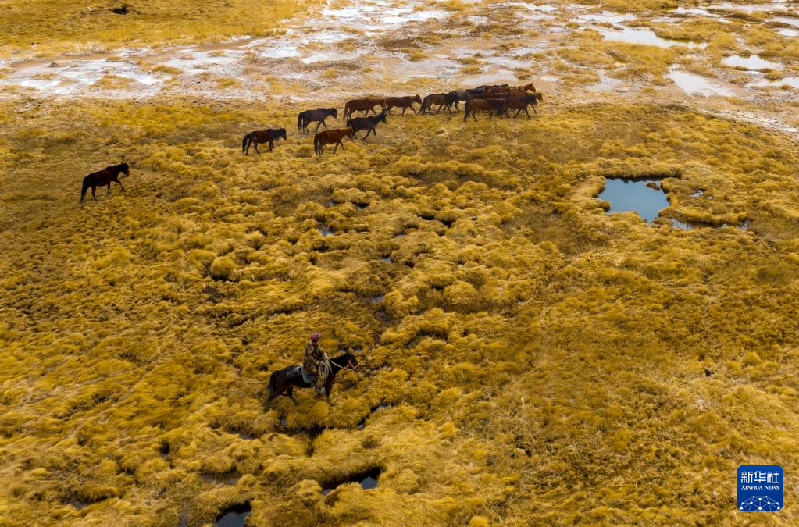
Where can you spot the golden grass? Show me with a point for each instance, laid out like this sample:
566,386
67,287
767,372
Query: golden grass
69,25
540,361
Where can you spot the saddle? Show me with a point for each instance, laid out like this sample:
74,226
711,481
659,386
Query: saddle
307,377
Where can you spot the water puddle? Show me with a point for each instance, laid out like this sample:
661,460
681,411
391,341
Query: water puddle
786,20
233,516
376,299
607,17
693,84
753,62
646,37
635,195
368,481
386,259
791,82
749,8
791,33
325,230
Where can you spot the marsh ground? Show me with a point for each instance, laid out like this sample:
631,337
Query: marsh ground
527,357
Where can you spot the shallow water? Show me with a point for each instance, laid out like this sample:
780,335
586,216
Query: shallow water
368,481
753,62
646,37
693,84
634,195
234,516
608,17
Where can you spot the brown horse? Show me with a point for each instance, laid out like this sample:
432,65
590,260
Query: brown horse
285,380
260,137
519,90
403,102
520,104
441,99
104,177
329,137
363,105
492,106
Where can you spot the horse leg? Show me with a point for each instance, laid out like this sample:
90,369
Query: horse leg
256,148
528,113
318,123
93,195
108,192
271,144
118,183
290,393
534,110
336,148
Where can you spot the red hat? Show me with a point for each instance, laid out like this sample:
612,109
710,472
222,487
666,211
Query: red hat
315,337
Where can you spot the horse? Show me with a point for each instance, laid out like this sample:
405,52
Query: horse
363,105
260,137
441,99
521,103
461,95
104,177
498,106
329,137
367,123
309,116
285,380
403,102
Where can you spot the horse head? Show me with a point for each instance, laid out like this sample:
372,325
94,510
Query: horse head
282,133
417,99
383,115
350,132
334,113
352,362
124,168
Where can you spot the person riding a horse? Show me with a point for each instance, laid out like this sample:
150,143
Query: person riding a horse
316,362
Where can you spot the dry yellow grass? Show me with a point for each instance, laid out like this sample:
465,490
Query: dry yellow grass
69,25
541,362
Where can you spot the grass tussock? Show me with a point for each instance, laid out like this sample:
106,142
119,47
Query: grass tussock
524,356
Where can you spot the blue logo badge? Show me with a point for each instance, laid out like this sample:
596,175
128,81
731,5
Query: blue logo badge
760,488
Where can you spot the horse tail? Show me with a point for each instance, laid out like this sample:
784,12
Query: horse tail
299,121
84,188
244,142
467,106
316,141
347,110
272,383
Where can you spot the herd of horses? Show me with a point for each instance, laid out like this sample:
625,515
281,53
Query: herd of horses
494,100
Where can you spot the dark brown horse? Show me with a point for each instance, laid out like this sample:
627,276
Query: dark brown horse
329,137
441,99
284,381
520,104
492,106
367,123
363,105
403,102
260,137
318,116
104,177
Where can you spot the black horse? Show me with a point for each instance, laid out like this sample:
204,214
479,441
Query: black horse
308,116
288,378
367,123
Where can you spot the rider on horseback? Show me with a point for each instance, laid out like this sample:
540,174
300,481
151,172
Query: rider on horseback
316,362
